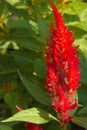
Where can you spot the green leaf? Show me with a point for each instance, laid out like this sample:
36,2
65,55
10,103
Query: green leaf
7,68
18,23
80,121
31,44
75,7
53,125
24,59
40,68
14,99
5,127
15,11
70,18
6,65
38,93
68,9
83,66
83,55
12,2
82,45
25,56
82,25
43,29
83,15
82,92
83,111
3,9
34,115
79,6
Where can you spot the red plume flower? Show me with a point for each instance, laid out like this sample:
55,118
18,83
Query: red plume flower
62,64
31,126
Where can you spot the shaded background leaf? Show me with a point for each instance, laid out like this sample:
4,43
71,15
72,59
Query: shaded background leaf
38,93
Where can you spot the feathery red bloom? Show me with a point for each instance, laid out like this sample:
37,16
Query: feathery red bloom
28,125
31,126
62,64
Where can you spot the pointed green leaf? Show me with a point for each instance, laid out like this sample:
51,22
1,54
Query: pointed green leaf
82,45
75,7
7,68
83,15
34,115
80,121
24,59
82,25
40,68
43,30
83,111
53,125
38,93
29,43
82,92
12,2
19,24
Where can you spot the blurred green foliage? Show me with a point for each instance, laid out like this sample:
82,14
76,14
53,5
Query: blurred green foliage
24,26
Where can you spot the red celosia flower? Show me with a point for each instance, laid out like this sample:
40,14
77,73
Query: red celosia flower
31,126
62,64
28,125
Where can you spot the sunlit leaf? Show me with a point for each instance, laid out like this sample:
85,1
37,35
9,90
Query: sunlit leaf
34,115
12,2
